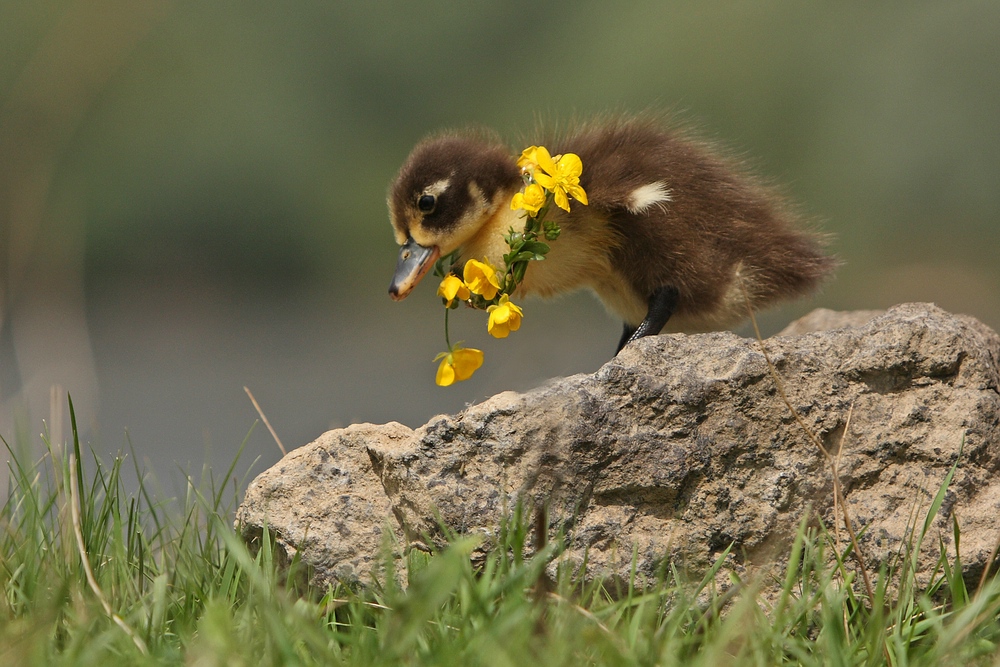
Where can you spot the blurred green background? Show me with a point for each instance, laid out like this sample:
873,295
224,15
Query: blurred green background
192,194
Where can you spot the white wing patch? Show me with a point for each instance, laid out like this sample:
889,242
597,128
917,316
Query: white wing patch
646,196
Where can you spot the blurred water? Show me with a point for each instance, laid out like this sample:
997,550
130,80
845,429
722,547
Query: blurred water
313,362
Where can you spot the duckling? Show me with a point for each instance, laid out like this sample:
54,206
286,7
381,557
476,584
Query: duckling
674,232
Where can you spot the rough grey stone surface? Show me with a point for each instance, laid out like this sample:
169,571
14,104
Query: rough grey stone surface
325,501
675,449
824,319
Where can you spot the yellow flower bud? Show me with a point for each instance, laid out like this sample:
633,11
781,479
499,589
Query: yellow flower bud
504,318
531,200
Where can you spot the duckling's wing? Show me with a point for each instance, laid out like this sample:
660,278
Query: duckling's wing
627,163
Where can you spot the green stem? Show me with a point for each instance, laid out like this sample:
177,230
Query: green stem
446,338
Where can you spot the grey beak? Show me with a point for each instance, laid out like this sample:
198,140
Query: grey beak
414,261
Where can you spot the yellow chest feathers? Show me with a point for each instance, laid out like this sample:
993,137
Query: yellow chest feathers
578,258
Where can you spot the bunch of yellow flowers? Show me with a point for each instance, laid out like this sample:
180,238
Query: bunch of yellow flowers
480,285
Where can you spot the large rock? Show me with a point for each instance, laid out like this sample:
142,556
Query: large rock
675,449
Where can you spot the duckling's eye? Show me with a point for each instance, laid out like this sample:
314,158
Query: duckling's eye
426,203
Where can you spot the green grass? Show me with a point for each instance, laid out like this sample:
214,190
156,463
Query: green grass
174,584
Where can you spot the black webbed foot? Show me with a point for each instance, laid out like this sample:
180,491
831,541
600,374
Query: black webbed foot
662,304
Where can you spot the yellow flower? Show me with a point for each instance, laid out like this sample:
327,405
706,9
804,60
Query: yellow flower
457,365
532,199
504,318
451,287
481,278
528,161
561,178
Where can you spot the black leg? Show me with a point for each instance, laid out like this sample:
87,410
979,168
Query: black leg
662,304
626,334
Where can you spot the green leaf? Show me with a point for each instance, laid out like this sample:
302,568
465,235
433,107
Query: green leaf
522,256
536,247
448,259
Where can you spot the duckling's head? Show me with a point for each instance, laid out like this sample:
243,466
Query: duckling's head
447,189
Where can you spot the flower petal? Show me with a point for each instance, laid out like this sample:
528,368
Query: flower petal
531,200
451,287
481,278
561,200
445,373
496,326
467,362
504,318
577,193
570,166
545,161
528,160
457,365
545,181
